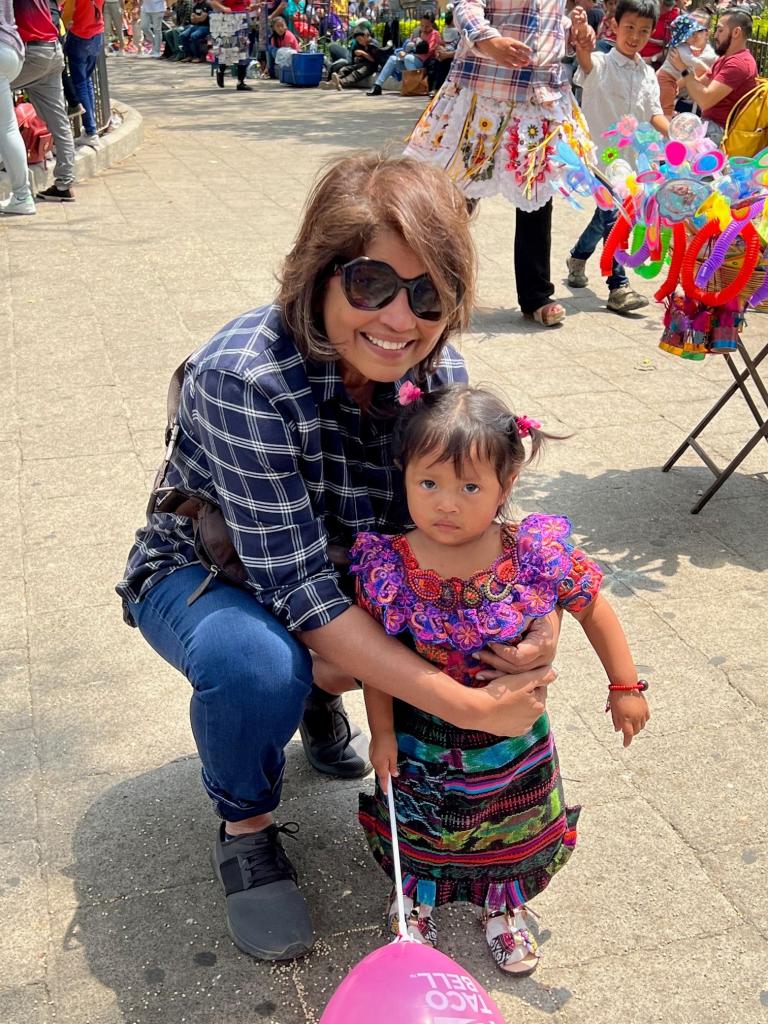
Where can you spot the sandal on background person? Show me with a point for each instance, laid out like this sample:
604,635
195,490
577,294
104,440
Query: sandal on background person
512,945
549,315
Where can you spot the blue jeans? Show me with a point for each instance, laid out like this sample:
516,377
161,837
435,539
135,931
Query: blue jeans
190,39
396,65
250,680
82,55
598,229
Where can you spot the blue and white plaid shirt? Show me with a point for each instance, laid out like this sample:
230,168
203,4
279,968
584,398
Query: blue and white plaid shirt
294,465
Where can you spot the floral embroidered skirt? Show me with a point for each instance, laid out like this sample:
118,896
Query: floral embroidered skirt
490,146
230,34
480,820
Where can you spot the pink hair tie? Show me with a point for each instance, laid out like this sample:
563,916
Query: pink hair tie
525,425
408,393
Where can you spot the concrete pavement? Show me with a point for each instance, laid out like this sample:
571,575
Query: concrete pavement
109,911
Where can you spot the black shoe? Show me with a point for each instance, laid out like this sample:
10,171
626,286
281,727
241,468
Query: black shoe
242,87
266,913
56,195
374,91
220,77
332,744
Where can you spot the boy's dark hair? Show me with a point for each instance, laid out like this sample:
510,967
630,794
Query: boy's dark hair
429,16
449,17
460,422
642,8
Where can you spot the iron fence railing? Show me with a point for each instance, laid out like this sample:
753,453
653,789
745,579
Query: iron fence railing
758,45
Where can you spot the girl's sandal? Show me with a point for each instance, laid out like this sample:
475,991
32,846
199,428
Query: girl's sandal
548,316
512,946
421,925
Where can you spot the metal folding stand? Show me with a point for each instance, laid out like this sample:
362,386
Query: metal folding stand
740,380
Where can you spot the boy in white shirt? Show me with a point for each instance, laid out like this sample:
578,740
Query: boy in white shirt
615,85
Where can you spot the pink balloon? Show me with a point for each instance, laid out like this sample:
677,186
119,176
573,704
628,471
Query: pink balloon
407,983
676,153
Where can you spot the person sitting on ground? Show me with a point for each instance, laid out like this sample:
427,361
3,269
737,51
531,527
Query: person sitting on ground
615,85
281,38
365,61
440,65
688,43
40,77
194,35
409,58
733,75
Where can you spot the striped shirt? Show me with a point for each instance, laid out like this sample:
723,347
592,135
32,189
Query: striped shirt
541,24
274,441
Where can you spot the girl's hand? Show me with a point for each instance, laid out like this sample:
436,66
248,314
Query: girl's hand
509,53
536,649
629,711
511,704
383,754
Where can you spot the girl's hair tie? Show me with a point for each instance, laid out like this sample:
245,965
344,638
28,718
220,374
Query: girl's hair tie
525,425
408,393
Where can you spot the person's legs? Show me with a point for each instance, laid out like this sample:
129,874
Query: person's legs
388,70
250,680
93,50
156,28
271,53
412,63
12,149
533,244
197,41
248,695
41,77
354,74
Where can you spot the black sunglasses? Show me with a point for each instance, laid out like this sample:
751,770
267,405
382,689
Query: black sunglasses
372,284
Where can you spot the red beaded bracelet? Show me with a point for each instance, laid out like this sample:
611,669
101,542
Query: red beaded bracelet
639,687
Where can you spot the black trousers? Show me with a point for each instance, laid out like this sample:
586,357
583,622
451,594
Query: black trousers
533,245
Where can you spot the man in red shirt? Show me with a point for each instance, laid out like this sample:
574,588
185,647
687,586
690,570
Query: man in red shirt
41,77
653,51
733,74
84,20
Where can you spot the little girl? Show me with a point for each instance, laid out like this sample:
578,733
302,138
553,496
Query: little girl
480,819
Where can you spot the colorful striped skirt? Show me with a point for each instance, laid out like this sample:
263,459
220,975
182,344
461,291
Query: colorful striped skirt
480,820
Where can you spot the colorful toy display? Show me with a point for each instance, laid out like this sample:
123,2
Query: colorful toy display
686,206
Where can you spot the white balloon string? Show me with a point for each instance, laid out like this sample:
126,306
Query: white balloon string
396,858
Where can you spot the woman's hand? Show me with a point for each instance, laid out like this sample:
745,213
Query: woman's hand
629,711
536,648
383,754
509,53
509,705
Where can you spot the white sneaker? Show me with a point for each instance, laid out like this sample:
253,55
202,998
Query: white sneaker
18,207
88,140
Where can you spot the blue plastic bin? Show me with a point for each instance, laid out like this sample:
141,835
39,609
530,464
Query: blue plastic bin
305,69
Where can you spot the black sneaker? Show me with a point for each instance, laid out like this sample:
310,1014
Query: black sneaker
266,913
332,744
374,91
56,195
242,87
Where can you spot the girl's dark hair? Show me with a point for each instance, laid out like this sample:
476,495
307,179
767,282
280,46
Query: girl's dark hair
459,422
642,8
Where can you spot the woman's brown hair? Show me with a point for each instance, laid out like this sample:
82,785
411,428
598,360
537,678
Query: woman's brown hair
355,199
